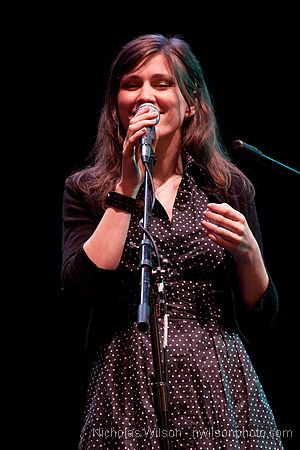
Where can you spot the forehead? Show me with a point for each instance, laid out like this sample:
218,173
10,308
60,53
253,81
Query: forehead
156,64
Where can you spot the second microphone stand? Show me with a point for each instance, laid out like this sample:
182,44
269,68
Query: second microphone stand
149,310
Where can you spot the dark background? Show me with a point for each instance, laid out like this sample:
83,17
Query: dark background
251,71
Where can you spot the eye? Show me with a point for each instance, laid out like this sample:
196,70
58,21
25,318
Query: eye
130,86
130,83
164,84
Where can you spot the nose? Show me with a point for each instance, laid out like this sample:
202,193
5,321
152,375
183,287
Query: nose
146,94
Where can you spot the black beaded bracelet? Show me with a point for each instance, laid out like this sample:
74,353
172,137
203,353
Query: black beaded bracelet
120,201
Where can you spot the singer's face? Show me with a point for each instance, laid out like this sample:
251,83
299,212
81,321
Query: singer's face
153,82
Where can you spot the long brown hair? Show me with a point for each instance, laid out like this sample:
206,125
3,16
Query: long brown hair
200,134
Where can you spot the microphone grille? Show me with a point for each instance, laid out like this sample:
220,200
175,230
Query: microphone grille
237,145
152,107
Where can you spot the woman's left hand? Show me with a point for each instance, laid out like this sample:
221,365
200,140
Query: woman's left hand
228,228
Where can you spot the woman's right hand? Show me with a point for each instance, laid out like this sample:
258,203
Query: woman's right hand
133,170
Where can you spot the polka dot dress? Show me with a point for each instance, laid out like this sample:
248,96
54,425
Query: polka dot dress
215,400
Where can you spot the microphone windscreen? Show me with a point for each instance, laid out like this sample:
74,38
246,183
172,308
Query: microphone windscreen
152,107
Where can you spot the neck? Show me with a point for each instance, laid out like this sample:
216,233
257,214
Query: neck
167,165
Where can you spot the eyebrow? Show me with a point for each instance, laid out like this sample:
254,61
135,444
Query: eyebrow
156,76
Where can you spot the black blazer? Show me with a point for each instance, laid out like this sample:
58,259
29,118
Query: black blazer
91,292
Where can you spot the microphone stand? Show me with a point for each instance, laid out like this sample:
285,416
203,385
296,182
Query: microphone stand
148,315
264,159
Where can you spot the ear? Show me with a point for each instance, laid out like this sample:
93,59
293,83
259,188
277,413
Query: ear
190,111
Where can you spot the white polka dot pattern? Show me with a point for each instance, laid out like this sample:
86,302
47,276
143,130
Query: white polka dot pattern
216,400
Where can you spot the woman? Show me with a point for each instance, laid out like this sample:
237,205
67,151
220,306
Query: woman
205,227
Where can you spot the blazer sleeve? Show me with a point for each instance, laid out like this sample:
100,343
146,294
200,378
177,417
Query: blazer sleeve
92,296
257,322
80,218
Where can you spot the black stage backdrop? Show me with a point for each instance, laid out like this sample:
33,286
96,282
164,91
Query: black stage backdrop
251,73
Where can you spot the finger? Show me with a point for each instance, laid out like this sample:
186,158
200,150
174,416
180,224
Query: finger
225,210
136,130
146,113
222,243
220,220
222,233
146,119
131,141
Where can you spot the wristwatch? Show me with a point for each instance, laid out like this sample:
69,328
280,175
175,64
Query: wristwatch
120,201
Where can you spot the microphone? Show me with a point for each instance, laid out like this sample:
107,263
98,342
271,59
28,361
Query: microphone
147,138
240,145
